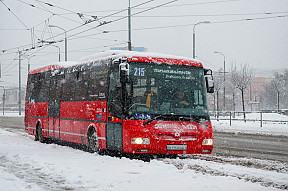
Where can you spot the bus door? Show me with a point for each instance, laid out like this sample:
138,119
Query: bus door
114,130
114,140
54,107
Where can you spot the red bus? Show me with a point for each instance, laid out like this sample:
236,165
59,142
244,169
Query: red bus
123,101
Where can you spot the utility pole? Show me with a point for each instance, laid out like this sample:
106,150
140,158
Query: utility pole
3,100
129,28
0,70
224,96
19,99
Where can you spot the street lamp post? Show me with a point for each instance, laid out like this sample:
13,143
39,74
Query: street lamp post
59,57
129,27
65,39
224,78
203,22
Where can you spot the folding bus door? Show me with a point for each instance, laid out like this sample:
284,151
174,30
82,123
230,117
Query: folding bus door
54,107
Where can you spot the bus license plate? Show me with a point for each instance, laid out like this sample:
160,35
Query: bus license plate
176,147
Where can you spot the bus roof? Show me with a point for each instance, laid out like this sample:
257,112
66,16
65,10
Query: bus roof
149,57
142,57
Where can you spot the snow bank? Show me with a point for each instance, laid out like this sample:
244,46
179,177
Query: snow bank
254,127
13,114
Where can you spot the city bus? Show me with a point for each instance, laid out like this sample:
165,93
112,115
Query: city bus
123,101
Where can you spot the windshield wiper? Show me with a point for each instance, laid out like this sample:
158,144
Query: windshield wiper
197,119
154,118
194,118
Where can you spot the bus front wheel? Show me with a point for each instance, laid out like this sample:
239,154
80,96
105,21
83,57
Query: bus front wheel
93,144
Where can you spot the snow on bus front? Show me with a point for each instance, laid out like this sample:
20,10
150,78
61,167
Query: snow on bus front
168,137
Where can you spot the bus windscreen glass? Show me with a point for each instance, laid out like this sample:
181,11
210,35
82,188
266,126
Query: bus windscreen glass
159,89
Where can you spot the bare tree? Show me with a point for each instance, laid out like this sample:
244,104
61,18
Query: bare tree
231,89
279,85
241,79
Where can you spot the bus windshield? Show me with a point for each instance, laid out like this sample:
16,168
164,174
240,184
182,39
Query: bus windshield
165,89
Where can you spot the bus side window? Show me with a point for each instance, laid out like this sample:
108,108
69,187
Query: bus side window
69,86
59,87
43,94
29,89
82,85
92,90
36,86
98,83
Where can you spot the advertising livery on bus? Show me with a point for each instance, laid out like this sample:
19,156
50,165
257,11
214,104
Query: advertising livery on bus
123,101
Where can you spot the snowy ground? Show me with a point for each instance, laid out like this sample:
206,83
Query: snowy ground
29,165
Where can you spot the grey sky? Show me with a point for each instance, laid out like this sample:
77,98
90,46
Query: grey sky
246,31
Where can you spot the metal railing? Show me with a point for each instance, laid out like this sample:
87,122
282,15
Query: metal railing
239,116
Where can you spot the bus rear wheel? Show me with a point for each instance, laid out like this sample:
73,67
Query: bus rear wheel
93,144
39,136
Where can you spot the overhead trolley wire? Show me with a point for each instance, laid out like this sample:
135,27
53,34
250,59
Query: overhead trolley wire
211,15
51,5
165,4
81,24
15,15
202,3
192,4
110,15
15,57
34,6
191,24
127,16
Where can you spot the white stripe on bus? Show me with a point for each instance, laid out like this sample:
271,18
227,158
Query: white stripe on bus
68,133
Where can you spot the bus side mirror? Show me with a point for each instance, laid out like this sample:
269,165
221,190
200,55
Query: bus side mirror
124,72
209,80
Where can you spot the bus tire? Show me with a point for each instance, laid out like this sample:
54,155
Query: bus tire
39,135
92,141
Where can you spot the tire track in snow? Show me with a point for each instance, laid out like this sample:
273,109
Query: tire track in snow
276,166
265,173
35,175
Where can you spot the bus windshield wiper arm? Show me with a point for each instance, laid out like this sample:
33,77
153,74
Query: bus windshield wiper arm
154,118
193,118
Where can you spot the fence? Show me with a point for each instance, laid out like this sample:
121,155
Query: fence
260,116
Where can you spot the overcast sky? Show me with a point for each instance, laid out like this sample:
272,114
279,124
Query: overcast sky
245,31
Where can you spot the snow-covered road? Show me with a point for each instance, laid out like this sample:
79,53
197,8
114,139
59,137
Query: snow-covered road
29,165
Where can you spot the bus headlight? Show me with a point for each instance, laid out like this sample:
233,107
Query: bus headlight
207,142
139,140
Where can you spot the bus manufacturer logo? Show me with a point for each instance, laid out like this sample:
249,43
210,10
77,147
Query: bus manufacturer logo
189,126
